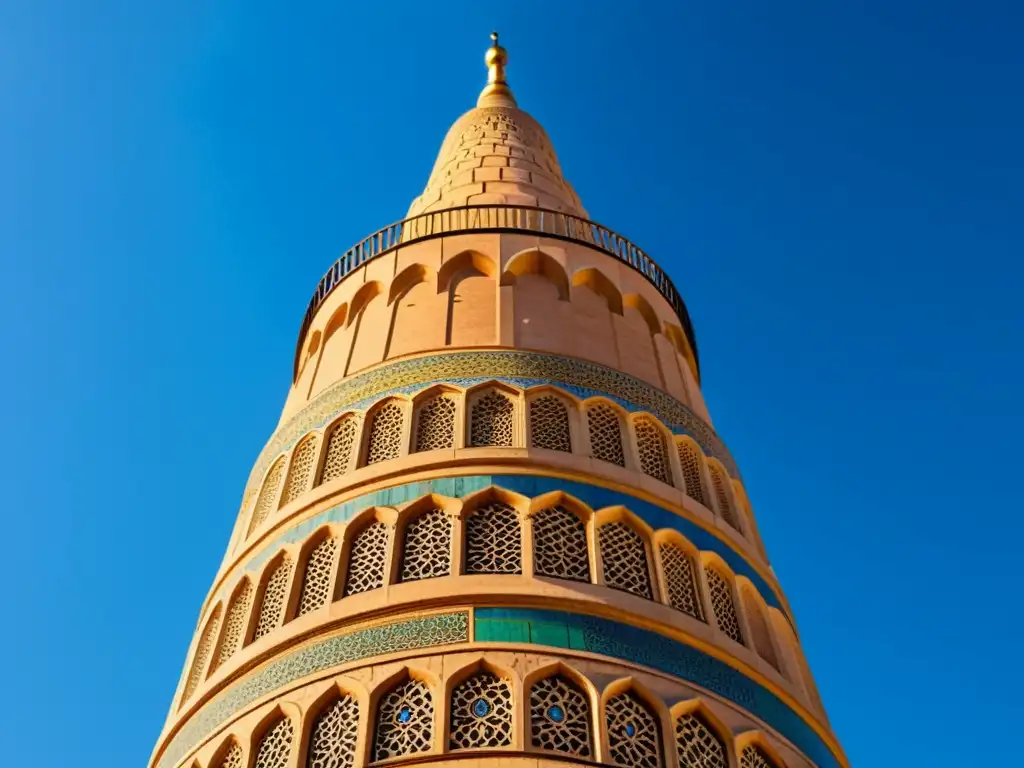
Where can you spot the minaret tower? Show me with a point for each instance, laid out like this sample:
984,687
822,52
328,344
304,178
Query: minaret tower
494,527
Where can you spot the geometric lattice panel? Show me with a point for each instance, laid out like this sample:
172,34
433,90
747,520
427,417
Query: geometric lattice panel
680,579
560,717
560,545
435,423
723,605
316,577
481,712
650,447
276,745
753,757
494,541
405,721
633,736
367,559
427,548
549,424
697,745
332,741
605,434
624,559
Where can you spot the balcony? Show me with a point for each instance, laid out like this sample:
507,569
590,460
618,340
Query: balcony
518,219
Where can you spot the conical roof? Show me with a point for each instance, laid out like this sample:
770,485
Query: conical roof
497,153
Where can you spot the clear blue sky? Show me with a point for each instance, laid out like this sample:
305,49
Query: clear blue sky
835,187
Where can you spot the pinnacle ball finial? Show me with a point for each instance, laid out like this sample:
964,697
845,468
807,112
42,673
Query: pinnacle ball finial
497,92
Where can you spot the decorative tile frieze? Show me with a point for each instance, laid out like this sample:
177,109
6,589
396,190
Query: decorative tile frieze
422,632
580,632
524,369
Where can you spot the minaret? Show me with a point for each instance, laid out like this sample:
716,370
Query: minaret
494,527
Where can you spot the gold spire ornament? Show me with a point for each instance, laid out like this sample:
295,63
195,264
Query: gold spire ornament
496,93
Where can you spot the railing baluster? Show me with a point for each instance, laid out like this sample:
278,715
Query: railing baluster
496,217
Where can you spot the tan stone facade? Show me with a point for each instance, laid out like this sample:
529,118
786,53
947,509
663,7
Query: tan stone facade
494,526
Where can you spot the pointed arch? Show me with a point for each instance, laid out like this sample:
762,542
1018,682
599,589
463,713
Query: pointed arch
409,277
723,495
641,305
418,312
550,421
318,559
435,418
367,545
604,425
425,531
623,542
493,535
340,450
301,466
267,499
385,426
757,623
272,597
404,717
472,296
651,447
333,729
493,416
273,742
480,709
701,739
228,755
721,592
560,542
203,652
755,751
560,715
633,725
236,623
334,351
595,280
680,573
534,261
366,293
691,462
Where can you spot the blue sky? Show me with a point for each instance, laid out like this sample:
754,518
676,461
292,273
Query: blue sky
835,188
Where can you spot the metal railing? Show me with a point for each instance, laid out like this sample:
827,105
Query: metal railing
497,218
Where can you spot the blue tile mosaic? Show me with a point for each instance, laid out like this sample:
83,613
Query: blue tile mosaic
562,629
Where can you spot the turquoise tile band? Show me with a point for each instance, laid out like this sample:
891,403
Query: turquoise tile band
579,632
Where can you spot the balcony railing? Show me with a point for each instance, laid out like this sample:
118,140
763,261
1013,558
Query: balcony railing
497,218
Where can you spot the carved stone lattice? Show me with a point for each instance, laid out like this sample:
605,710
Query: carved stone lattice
435,423
234,624
332,741
366,559
427,551
492,420
385,433
276,745
268,494
494,540
624,559
723,605
633,736
560,545
274,596
549,424
301,469
650,445
405,721
605,429
753,757
759,631
697,745
232,757
340,446
680,578
316,577
691,461
203,651
724,498
481,713
560,717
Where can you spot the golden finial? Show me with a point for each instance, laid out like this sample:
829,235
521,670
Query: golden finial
496,93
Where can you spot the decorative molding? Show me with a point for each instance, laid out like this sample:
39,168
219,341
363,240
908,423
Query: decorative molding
593,495
525,369
560,629
421,632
